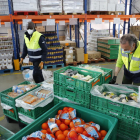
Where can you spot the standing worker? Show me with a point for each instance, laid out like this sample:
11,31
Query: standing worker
129,56
35,47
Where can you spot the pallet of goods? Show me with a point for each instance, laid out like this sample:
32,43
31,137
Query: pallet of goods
6,54
4,8
73,7
109,47
25,8
55,51
135,8
48,7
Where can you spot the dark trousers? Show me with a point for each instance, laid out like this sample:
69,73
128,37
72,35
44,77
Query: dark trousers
129,81
37,72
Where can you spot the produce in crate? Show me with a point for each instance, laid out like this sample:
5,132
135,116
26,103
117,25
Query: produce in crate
67,126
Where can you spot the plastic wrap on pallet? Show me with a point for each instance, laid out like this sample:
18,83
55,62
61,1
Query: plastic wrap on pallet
73,6
47,6
6,107
4,8
135,7
20,5
25,118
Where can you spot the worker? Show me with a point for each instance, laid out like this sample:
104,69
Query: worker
129,56
35,47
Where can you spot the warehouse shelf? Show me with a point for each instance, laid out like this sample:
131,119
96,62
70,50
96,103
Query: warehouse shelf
5,18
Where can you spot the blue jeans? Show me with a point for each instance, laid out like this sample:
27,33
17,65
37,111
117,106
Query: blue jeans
37,72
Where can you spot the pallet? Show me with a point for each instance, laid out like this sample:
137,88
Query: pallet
74,13
74,63
53,66
109,60
25,12
116,12
80,62
97,12
27,67
50,13
96,60
6,70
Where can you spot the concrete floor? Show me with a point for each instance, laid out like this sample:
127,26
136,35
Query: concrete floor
8,80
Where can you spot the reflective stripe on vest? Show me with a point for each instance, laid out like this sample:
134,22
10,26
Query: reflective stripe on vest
135,60
35,57
32,50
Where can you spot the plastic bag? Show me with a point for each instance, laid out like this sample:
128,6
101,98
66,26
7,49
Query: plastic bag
25,118
6,107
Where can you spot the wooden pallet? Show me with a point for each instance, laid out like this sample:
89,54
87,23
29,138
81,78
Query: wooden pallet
74,13
97,12
80,62
53,66
96,60
74,63
25,12
50,13
109,60
6,70
27,67
116,12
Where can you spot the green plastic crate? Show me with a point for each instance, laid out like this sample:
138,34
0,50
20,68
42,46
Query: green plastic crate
34,114
118,41
107,41
5,133
9,100
108,56
124,137
11,113
111,46
75,83
106,122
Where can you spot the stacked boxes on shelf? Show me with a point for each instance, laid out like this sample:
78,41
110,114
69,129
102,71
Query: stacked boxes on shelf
68,54
29,6
135,30
47,6
55,51
4,8
105,5
109,47
72,88
95,34
6,53
73,6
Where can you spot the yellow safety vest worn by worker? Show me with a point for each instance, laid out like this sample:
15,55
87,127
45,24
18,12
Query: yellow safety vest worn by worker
33,44
134,65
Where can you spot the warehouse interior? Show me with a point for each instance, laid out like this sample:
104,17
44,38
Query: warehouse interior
69,70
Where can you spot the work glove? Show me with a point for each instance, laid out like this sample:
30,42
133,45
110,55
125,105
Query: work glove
113,81
41,65
21,61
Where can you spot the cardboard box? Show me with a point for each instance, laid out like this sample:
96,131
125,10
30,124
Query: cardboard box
103,6
93,54
137,34
111,7
68,56
69,60
68,51
137,28
79,50
94,6
71,43
40,28
61,38
120,7
80,57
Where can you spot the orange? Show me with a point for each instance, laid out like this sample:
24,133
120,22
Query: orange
71,125
70,109
73,134
67,122
86,134
58,122
80,138
79,130
49,131
45,126
66,132
59,111
66,138
36,139
43,136
61,137
103,133
91,122
58,132
102,138
31,139
92,138
99,134
44,131
62,127
73,128
65,108
52,136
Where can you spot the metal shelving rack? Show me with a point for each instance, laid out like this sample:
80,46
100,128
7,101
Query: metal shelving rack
17,19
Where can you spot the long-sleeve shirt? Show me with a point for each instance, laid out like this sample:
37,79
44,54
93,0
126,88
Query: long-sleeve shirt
43,46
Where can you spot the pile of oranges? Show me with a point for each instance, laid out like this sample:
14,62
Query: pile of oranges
68,130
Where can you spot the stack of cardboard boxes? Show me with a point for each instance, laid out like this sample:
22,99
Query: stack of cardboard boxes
68,55
135,30
94,55
79,54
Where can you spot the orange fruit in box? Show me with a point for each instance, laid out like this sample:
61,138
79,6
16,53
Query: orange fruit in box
65,108
73,134
59,111
99,134
103,133
61,137
52,136
71,125
58,132
58,122
66,132
67,122
49,131
62,127
80,138
86,134
79,130
66,138
45,126
102,138
44,131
